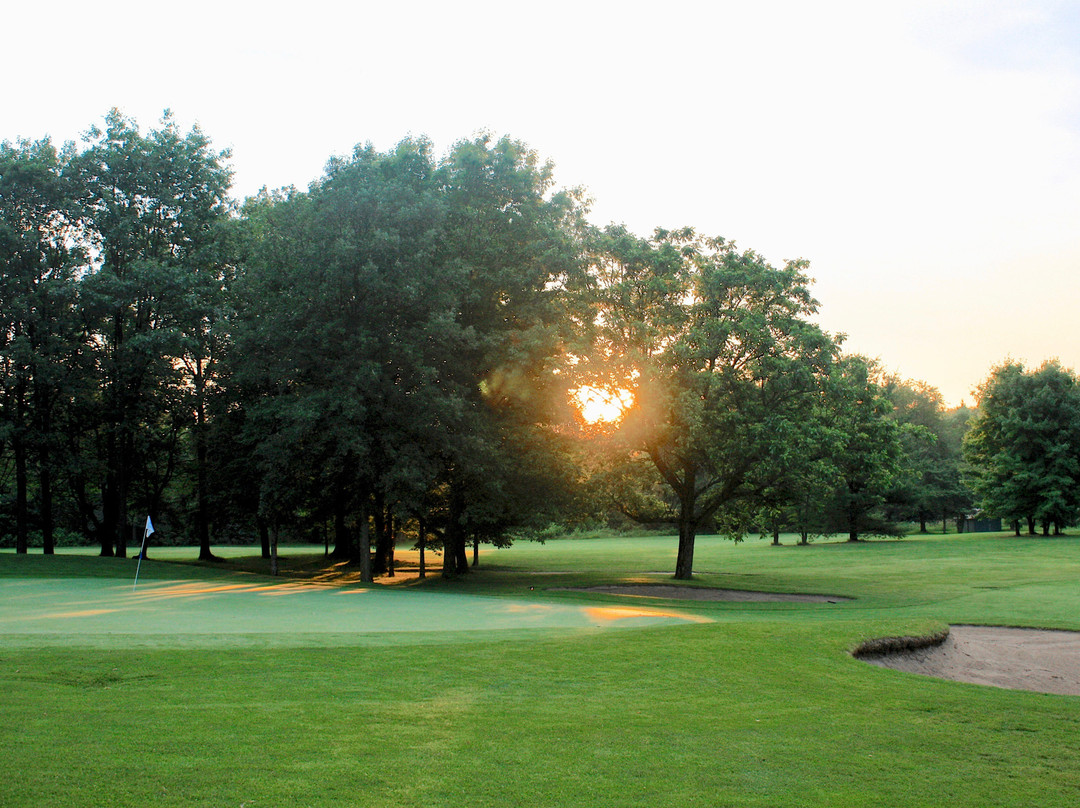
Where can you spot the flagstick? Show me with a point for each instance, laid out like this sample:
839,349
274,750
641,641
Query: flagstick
142,552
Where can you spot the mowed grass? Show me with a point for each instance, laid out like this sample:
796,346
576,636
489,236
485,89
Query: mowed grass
760,706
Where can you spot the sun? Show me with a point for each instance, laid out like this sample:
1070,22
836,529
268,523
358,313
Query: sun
601,405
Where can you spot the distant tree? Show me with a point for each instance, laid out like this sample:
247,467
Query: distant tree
801,474
956,495
1024,445
869,453
717,346
930,484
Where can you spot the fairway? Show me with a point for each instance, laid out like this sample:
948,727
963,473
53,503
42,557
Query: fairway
221,687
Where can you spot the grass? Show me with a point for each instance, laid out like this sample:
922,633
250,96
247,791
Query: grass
760,706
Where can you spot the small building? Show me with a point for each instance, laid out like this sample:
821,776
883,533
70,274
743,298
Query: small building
979,522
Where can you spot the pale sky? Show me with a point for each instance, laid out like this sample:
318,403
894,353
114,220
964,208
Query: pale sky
924,156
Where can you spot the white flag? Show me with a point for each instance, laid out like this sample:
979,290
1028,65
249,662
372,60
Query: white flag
142,551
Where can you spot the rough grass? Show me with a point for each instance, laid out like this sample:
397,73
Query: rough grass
763,706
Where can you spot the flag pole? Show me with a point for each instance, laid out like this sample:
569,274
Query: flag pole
142,550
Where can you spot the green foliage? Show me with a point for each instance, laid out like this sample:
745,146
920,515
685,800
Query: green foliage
152,206
867,451
400,326
931,484
717,347
1024,445
39,334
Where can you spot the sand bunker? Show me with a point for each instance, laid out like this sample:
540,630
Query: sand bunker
674,592
1012,658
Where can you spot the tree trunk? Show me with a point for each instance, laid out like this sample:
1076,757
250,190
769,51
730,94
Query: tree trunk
343,537
391,541
455,559
462,562
365,545
139,539
684,561
43,420
853,523
107,527
123,483
264,535
421,543
202,509
1031,525
46,498
22,509
382,543
475,550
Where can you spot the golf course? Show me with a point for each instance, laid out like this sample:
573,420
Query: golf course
521,684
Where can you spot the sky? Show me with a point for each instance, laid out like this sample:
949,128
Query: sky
923,155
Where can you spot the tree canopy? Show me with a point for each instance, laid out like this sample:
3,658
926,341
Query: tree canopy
1024,445
718,349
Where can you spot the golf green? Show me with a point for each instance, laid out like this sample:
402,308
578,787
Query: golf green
198,612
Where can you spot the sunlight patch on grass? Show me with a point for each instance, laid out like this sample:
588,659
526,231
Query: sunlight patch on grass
83,613
527,608
195,589
608,613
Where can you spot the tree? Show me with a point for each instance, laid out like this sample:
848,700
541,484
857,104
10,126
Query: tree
38,339
930,484
867,450
152,203
956,496
412,373
337,281
801,474
1024,445
722,359
512,262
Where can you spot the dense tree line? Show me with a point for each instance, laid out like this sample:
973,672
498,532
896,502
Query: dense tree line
390,353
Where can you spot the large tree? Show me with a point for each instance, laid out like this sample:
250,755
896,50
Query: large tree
152,203
397,328
512,248
39,341
718,348
337,282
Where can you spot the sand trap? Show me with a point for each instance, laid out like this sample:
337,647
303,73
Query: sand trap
1012,658
673,592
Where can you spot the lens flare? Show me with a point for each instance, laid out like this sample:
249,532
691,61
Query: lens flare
601,405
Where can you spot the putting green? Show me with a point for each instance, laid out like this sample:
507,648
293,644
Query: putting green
193,612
